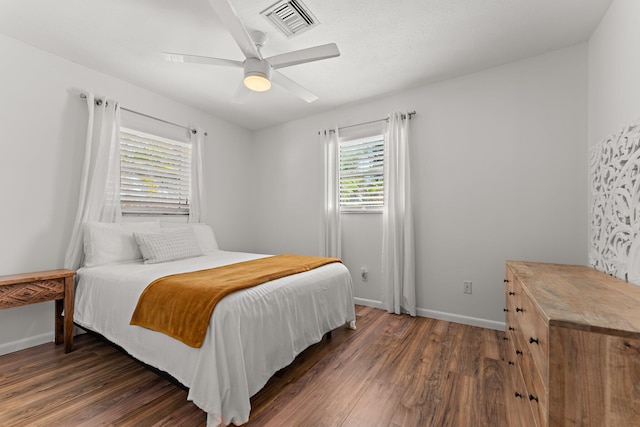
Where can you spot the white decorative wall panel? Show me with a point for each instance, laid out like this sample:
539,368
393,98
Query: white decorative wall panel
615,209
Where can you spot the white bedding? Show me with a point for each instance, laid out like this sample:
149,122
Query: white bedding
252,334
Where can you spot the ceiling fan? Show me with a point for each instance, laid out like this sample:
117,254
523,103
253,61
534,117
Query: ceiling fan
259,72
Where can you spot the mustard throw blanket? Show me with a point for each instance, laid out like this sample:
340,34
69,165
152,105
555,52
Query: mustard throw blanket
180,305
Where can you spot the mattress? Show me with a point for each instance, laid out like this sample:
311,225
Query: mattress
252,334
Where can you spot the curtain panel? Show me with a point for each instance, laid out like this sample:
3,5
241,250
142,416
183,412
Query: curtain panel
99,197
197,202
332,239
398,249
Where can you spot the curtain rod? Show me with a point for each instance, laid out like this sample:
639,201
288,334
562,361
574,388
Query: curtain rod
84,96
385,119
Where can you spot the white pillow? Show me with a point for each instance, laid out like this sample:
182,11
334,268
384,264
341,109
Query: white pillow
206,238
168,245
107,243
204,235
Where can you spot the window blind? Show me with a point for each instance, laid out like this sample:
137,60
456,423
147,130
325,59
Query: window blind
155,174
362,174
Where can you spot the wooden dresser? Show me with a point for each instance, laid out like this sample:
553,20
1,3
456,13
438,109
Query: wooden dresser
573,345
52,285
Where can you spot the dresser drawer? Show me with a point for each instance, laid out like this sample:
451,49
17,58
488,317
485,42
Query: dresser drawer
509,284
519,413
513,316
511,348
535,335
536,392
511,295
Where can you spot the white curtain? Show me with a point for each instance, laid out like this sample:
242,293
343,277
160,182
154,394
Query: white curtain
197,198
398,251
99,198
331,219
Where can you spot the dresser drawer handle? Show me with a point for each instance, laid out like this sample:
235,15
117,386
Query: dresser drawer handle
511,363
519,309
532,397
505,309
511,293
519,395
511,328
506,280
533,340
505,338
518,353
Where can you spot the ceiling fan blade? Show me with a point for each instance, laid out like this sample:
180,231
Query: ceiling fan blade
229,18
241,94
304,55
292,86
179,57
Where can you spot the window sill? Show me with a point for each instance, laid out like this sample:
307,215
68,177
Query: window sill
362,211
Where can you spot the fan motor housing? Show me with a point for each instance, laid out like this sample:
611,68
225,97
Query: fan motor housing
260,70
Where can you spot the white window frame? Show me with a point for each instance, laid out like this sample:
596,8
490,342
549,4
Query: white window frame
361,174
155,174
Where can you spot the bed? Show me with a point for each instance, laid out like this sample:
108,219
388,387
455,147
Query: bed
252,334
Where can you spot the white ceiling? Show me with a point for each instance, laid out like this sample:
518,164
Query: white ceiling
386,45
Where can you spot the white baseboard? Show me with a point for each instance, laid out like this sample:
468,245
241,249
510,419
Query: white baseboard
458,318
368,303
440,315
21,344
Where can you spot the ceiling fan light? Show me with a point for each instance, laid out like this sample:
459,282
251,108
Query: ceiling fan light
257,82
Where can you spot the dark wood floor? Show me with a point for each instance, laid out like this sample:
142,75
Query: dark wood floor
392,371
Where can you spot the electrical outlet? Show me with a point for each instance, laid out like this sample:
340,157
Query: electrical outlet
467,286
363,274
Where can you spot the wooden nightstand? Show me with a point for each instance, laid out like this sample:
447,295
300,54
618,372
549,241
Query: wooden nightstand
30,288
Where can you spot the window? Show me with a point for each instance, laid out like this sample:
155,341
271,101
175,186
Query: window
362,174
155,174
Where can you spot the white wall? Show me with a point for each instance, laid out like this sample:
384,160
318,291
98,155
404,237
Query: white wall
614,70
42,135
498,163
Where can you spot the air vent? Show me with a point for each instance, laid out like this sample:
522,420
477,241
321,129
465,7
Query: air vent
291,17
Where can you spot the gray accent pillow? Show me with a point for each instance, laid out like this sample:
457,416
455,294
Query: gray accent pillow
168,245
